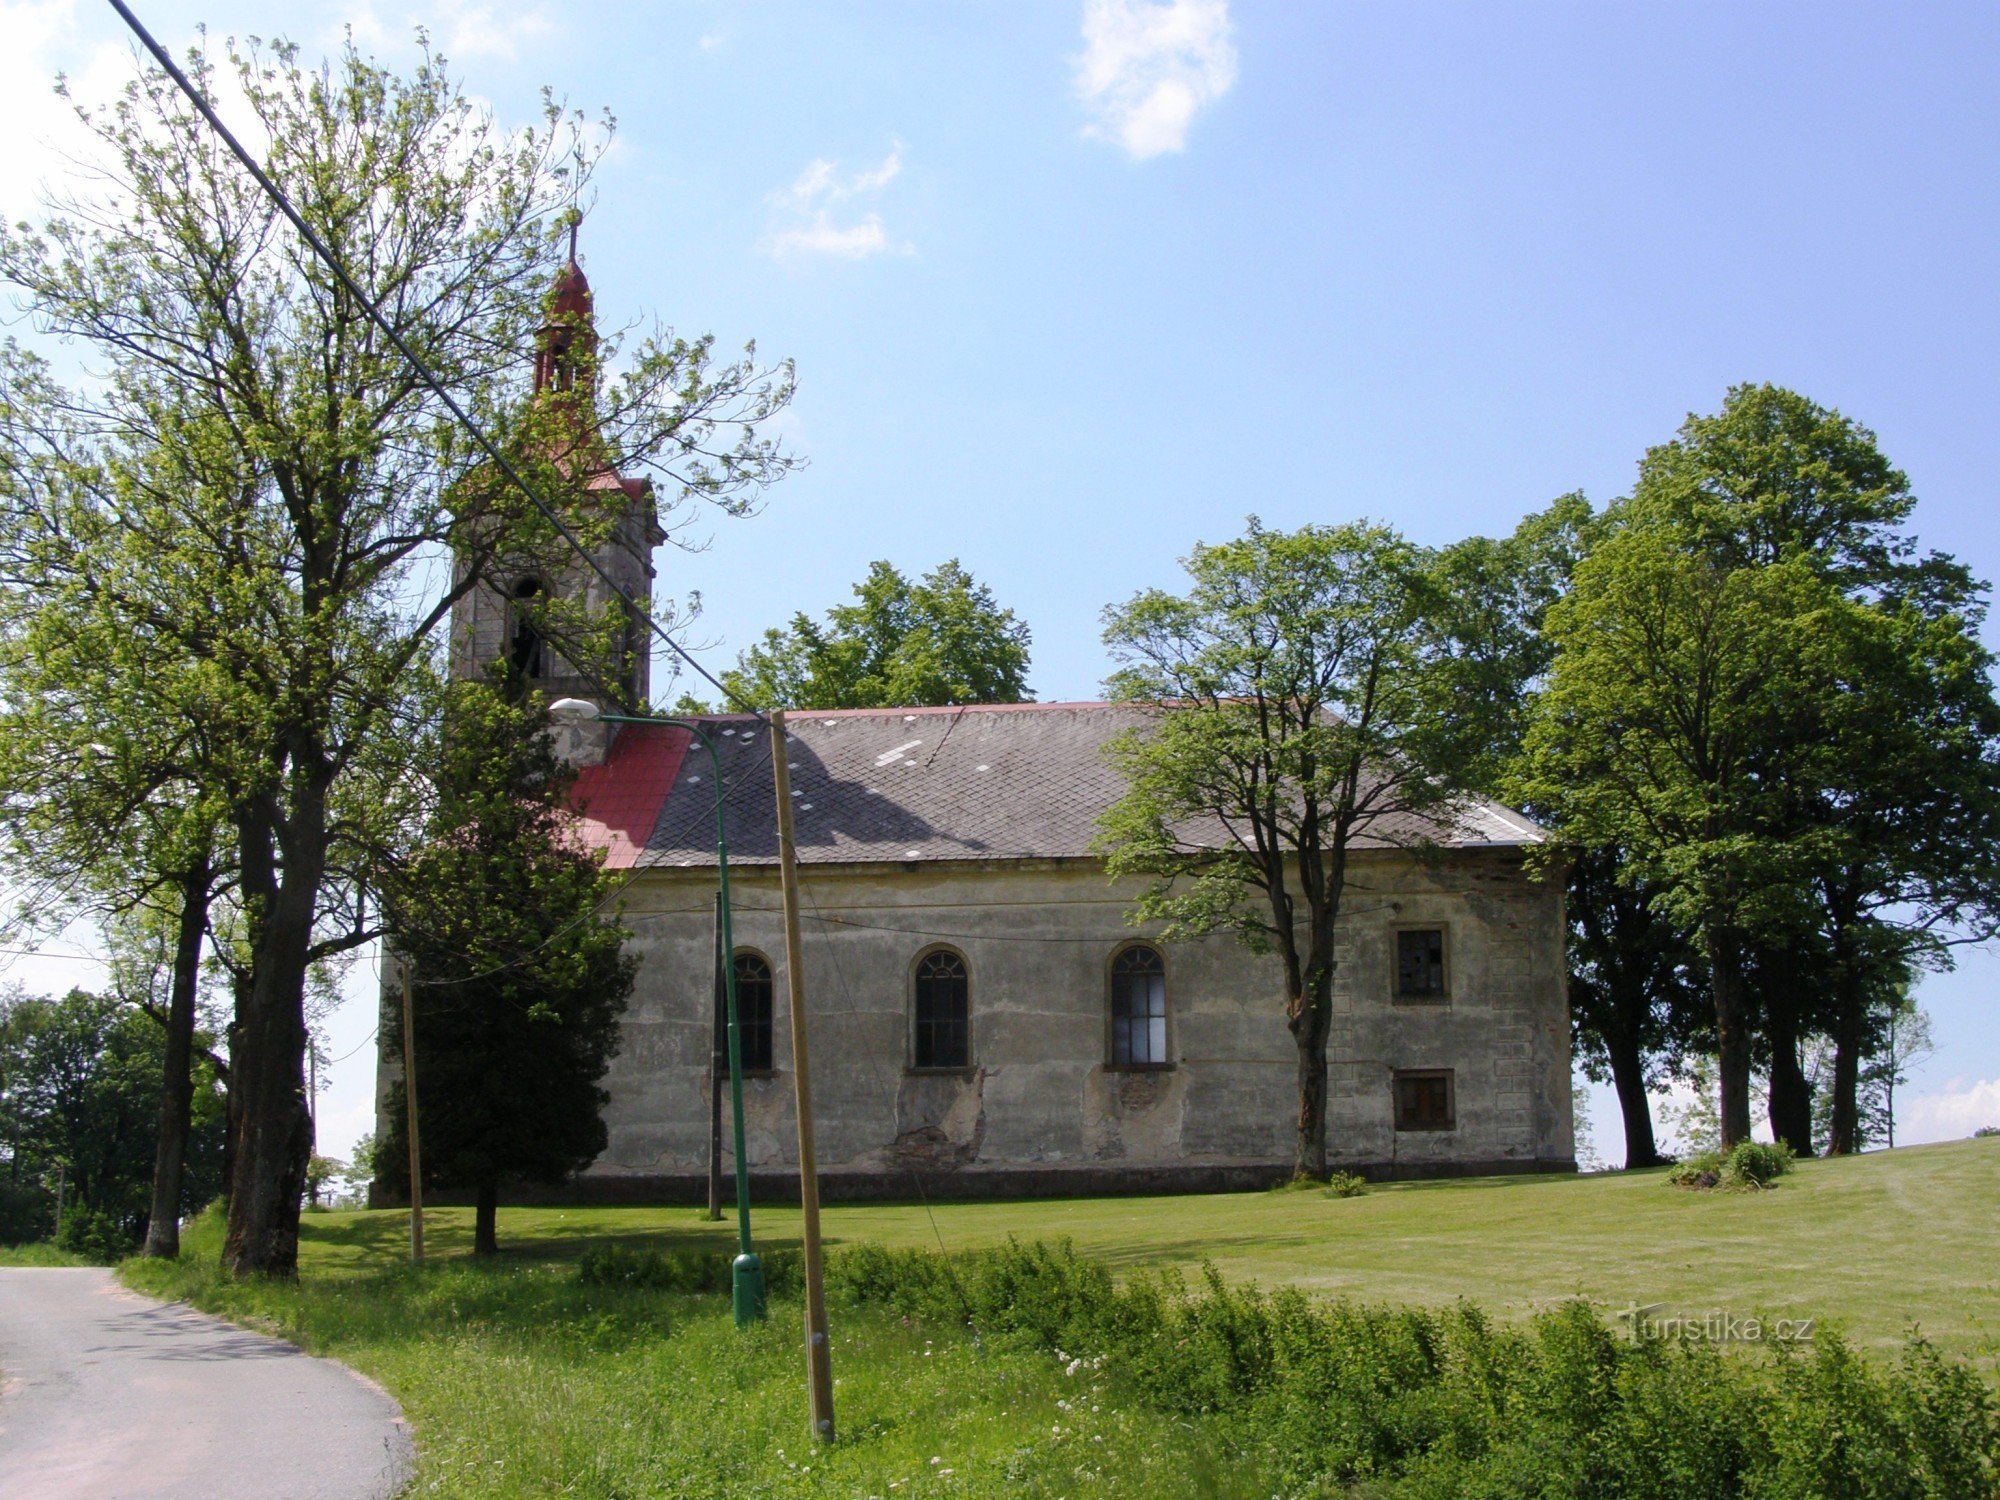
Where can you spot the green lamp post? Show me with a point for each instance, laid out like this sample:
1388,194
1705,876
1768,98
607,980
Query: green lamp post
747,1274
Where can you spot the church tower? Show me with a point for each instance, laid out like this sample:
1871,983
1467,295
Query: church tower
498,620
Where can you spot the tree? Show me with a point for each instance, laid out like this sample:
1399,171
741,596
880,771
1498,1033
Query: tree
1303,698
79,1088
1676,682
291,577
941,640
1635,993
519,972
1778,712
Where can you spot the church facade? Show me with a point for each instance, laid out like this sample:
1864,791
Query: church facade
983,1018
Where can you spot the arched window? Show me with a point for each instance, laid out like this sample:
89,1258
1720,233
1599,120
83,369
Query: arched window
524,647
1138,1008
943,1013
753,1011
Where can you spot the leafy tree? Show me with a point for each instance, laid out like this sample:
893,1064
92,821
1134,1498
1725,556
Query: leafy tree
289,578
1304,699
1778,712
1635,995
1675,683
79,1087
519,972
943,639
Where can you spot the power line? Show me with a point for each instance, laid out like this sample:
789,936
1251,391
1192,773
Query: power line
423,371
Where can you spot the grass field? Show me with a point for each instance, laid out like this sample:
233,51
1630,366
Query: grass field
1877,1243
521,1381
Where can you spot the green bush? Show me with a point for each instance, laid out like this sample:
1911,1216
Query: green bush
1444,1403
1747,1164
96,1237
1754,1164
1346,1185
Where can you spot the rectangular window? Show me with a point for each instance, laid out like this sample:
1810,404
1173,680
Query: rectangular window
1420,963
1424,1100
944,1016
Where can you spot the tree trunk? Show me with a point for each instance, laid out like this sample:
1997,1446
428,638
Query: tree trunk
1628,1076
1789,1106
1312,1022
486,1220
163,1225
274,1139
1844,1138
1732,1034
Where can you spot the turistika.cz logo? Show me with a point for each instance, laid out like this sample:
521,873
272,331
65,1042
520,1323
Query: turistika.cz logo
1645,1325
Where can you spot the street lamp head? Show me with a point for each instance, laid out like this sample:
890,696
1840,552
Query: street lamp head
575,711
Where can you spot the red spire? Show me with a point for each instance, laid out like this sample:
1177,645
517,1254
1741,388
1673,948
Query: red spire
571,312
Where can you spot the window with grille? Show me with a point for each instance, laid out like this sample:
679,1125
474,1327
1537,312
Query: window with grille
753,1012
943,1015
1424,1100
1138,1009
1420,963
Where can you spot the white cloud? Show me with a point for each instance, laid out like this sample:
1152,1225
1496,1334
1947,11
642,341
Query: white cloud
1961,1107
1150,66
819,228
712,41
852,242
489,31
460,28
43,135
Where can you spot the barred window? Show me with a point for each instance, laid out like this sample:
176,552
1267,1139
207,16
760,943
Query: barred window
1138,1008
1424,1099
753,1012
943,1013
1420,963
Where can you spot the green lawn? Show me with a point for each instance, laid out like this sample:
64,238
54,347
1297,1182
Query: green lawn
1877,1243
521,1381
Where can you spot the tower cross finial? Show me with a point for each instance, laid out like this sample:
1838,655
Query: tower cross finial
574,220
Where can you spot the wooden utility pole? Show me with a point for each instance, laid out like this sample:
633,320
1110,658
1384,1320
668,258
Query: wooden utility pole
819,1349
718,1070
410,1102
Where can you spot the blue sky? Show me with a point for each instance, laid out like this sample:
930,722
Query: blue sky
1072,285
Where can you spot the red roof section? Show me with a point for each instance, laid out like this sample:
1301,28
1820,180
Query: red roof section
619,801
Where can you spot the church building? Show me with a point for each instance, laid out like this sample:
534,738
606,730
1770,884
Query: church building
983,1018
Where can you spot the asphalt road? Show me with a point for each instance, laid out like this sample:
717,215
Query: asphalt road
112,1396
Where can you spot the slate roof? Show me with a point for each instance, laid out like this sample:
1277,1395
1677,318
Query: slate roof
1013,781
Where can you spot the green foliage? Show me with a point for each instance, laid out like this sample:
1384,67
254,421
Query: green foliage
1346,1185
80,1090
520,975
1306,692
1747,1164
1447,1403
522,1381
95,1236
941,640
246,502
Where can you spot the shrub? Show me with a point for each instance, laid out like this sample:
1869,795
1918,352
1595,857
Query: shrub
1754,1164
1985,1131
1747,1164
96,1236
1702,1170
1346,1185
1443,1402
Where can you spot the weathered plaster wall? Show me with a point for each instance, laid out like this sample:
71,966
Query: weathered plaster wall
1039,1099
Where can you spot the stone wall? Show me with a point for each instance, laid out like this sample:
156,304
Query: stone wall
1039,1110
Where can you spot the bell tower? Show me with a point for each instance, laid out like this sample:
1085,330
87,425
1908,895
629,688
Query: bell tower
503,619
